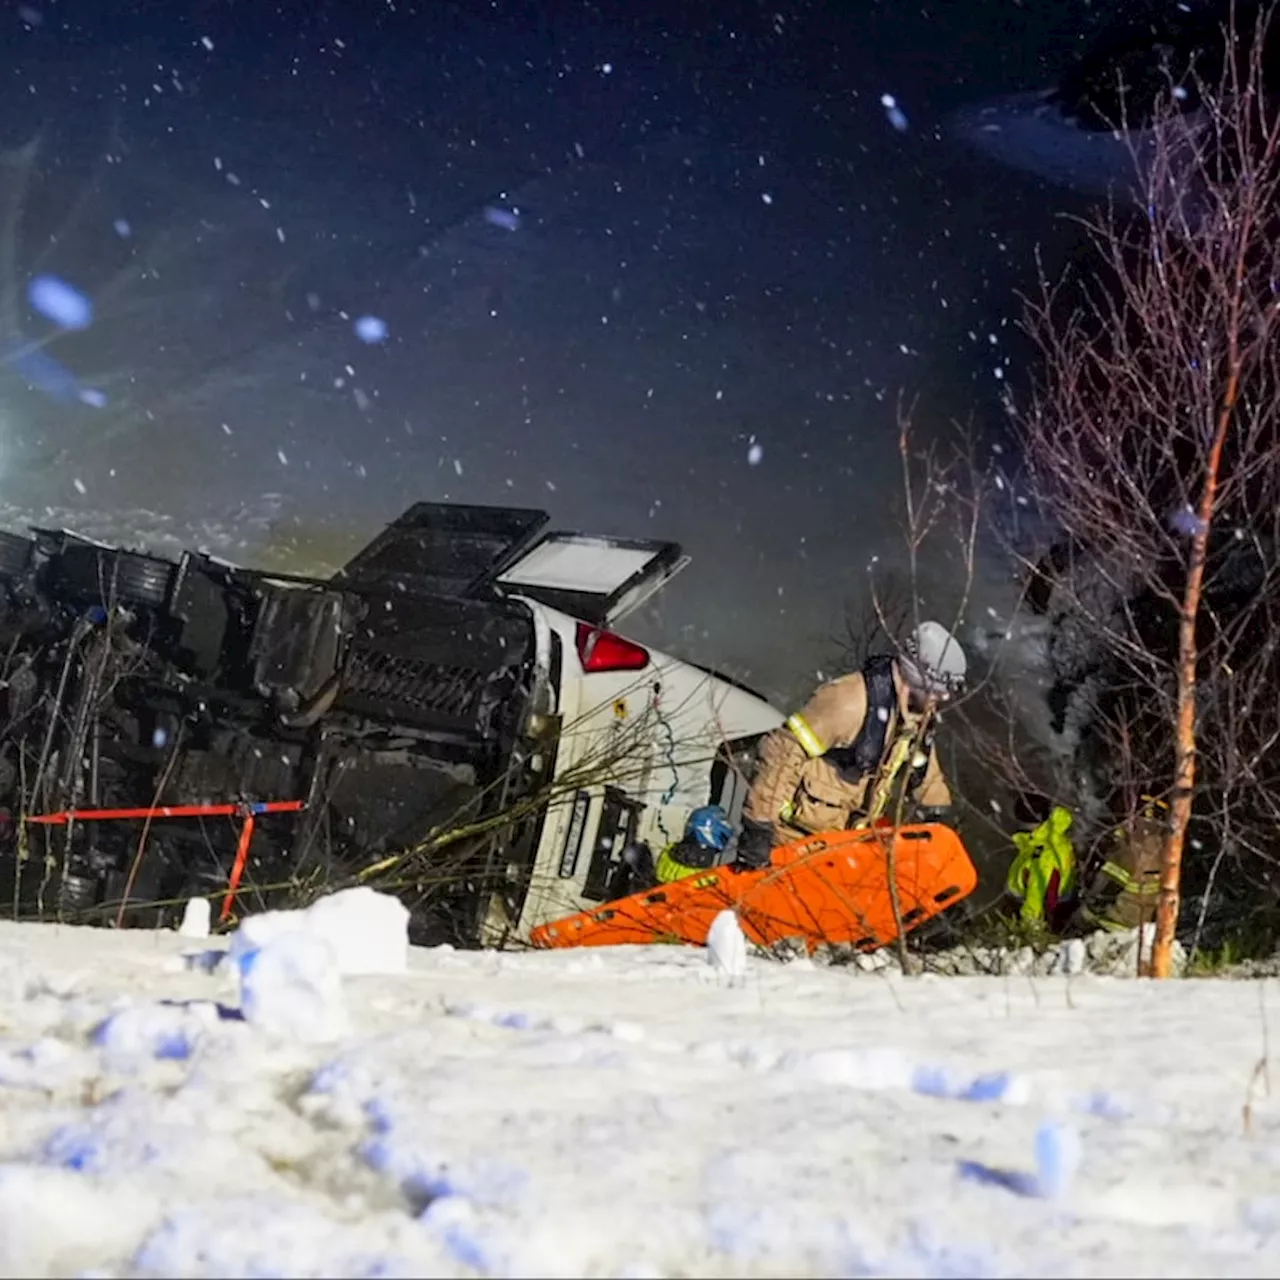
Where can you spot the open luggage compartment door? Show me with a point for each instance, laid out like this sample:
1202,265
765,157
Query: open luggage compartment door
444,548
829,888
450,549
597,579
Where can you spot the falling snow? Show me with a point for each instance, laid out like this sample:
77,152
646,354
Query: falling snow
60,302
1185,520
507,219
894,113
370,329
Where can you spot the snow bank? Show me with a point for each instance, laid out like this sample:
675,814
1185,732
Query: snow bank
616,1113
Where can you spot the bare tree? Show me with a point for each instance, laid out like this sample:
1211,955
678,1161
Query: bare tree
1151,441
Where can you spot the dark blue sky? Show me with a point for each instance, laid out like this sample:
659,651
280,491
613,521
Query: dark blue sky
722,243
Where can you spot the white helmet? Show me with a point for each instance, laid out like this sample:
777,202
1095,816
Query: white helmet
932,660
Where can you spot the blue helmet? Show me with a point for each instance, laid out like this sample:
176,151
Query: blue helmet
710,827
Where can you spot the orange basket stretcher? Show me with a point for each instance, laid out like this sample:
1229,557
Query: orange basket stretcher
829,888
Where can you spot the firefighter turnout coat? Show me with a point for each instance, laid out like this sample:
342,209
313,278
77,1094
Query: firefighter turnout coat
842,756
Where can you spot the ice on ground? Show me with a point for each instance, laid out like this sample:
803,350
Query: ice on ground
616,1114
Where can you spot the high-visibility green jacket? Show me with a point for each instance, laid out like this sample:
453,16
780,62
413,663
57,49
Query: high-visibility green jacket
1044,870
682,858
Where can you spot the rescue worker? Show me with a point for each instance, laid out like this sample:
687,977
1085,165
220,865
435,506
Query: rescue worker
844,757
1043,873
1123,892
706,836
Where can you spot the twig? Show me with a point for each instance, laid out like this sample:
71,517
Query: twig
146,826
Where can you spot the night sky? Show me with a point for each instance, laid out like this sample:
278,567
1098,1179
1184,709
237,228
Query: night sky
710,264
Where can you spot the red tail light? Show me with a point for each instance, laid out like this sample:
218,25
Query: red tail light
603,651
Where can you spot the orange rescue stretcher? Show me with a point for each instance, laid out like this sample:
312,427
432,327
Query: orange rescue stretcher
828,888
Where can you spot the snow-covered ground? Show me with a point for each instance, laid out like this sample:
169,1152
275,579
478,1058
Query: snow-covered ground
631,1112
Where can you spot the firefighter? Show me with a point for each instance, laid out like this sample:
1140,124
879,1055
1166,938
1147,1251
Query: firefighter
1119,889
1123,892
842,759
706,836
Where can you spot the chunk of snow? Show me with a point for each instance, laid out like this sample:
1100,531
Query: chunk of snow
1057,1161
1058,1154
727,946
60,302
755,455
195,919
367,931
291,988
1073,956
996,1086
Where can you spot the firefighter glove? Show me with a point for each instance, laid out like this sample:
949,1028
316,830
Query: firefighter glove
936,813
754,845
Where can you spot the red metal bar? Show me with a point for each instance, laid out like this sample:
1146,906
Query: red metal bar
249,810
166,811
237,867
